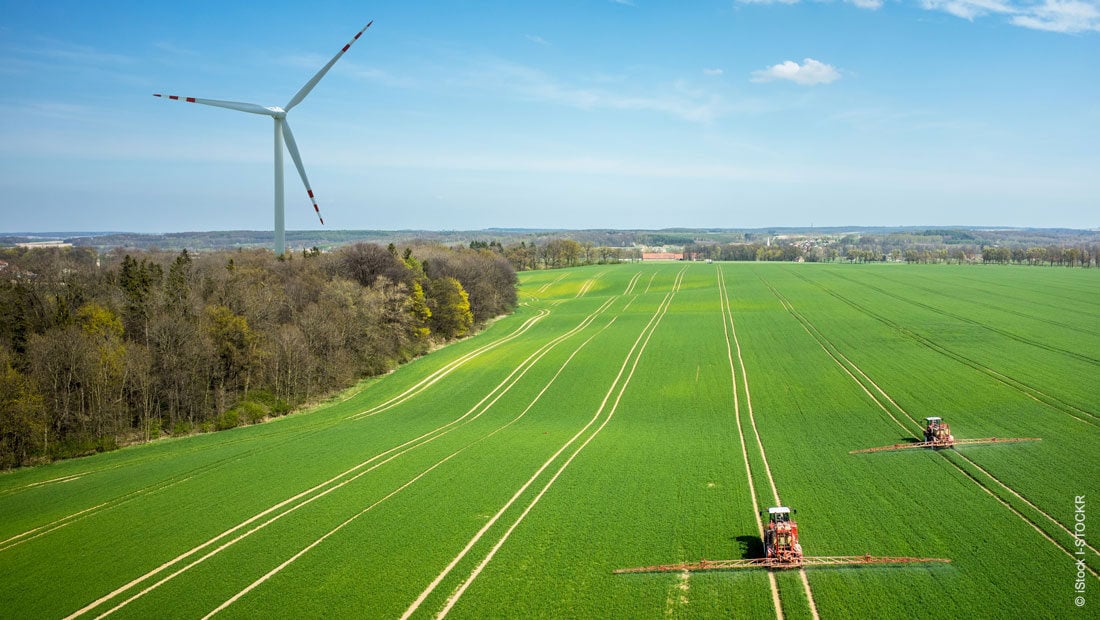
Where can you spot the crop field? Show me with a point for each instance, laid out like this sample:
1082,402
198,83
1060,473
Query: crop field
625,415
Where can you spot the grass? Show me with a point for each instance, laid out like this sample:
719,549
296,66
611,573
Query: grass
595,429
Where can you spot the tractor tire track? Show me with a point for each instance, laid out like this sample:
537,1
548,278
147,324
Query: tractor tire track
723,299
258,582
322,489
1013,311
546,287
752,419
1055,403
958,317
447,369
635,353
633,282
825,344
294,434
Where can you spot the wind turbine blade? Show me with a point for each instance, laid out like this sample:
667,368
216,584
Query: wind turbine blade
320,74
292,146
232,105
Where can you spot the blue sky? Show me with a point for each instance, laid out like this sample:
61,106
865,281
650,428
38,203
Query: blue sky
568,114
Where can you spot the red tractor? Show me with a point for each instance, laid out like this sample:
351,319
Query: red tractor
781,552
781,546
938,433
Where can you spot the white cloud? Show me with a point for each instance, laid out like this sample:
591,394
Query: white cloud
1061,16
1051,15
1068,16
534,38
712,71
624,2
808,73
968,9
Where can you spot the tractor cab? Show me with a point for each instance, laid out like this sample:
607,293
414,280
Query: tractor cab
781,536
937,431
779,514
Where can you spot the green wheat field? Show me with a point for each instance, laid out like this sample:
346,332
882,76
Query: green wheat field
620,418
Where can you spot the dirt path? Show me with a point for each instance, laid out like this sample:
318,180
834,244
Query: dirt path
634,355
826,344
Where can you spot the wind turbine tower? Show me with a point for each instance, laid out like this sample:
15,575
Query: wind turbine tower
283,136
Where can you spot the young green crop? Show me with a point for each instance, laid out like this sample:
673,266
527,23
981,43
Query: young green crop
355,508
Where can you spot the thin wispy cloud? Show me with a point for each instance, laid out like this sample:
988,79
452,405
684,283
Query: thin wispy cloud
623,2
174,49
530,84
1066,16
534,38
809,73
1070,16
712,72
968,9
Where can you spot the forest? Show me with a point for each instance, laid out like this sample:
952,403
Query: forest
103,349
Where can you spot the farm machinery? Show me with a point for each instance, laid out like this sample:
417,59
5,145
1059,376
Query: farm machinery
937,435
781,551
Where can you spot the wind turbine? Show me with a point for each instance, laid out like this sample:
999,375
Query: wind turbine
282,135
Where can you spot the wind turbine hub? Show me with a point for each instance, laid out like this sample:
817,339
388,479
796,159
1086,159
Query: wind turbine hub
277,112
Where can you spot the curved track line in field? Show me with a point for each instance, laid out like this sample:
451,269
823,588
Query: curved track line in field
633,282
296,556
650,327
1035,394
1048,293
184,476
650,282
723,303
802,319
57,524
1007,310
52,481
820,339
546,287
312,494
447,369
759,443
589,283
1007,334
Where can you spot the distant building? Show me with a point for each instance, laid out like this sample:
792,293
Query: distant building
662,256
44,244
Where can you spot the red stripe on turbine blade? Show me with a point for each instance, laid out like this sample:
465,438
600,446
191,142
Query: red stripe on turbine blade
315,208
190,100
156,94
310,192
321,218
346,47
173,97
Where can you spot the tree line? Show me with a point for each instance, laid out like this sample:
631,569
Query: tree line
99,349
